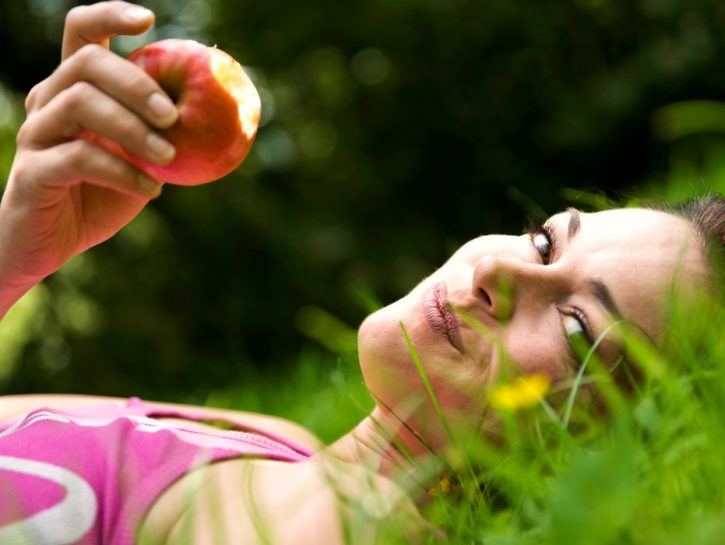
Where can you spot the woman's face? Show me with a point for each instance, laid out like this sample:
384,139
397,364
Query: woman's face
576,274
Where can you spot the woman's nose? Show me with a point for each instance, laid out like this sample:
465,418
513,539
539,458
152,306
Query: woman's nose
493,287
503,284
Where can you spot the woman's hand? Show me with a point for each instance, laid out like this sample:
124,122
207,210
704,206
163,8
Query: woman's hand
65,193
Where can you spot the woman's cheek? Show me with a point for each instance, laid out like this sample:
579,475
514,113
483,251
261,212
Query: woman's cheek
541,352
382,352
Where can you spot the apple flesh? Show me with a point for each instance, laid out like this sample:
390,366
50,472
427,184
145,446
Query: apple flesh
219,110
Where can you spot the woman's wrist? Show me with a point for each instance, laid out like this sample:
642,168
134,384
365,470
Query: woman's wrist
12,289
14,283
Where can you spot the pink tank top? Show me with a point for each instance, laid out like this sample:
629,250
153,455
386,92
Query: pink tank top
89,475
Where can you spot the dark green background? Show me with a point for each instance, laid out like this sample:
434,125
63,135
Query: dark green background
393,130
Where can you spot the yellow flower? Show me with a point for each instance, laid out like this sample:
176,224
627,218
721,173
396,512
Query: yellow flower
522,392
446,487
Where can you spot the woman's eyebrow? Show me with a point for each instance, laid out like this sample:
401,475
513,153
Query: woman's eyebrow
604,296
574,223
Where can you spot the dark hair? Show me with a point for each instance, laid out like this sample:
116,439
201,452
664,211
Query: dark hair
707,214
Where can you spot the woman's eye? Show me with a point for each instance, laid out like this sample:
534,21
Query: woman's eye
543,239
573,326
543,246
577,334
576,324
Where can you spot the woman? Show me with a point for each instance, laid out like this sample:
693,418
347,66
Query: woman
98,470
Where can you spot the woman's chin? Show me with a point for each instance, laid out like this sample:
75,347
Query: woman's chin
394,380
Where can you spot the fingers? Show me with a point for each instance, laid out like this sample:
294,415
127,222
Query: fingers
83,108
96,92
96,23
117,77
72,162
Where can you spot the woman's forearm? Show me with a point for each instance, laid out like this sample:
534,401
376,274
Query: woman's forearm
8,297
12,284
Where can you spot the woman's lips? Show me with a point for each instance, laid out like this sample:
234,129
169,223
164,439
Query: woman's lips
438,315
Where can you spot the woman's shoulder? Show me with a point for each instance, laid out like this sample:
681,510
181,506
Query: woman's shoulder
276,425
15,405
320,501
12,406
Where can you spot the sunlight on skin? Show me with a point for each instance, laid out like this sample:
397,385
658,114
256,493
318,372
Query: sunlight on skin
619,261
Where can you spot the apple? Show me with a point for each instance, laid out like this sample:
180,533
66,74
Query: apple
219,110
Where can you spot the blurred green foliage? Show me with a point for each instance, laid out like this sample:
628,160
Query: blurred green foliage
646,467
392,131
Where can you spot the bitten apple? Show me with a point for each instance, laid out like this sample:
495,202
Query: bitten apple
219,110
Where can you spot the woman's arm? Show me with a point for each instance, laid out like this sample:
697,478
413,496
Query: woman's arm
65,193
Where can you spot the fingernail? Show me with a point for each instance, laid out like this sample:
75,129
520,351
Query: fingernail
137,14
159,148
162,109
149,186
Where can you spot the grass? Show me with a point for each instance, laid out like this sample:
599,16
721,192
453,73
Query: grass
323,392
648,467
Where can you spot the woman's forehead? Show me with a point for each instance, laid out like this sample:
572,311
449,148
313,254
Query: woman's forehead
650,242
645,256
641,227
638,218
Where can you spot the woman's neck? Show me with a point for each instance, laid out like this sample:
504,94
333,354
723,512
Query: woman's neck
383,445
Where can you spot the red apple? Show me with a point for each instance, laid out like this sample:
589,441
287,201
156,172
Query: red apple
219,110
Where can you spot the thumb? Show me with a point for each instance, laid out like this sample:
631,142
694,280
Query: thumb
99,22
